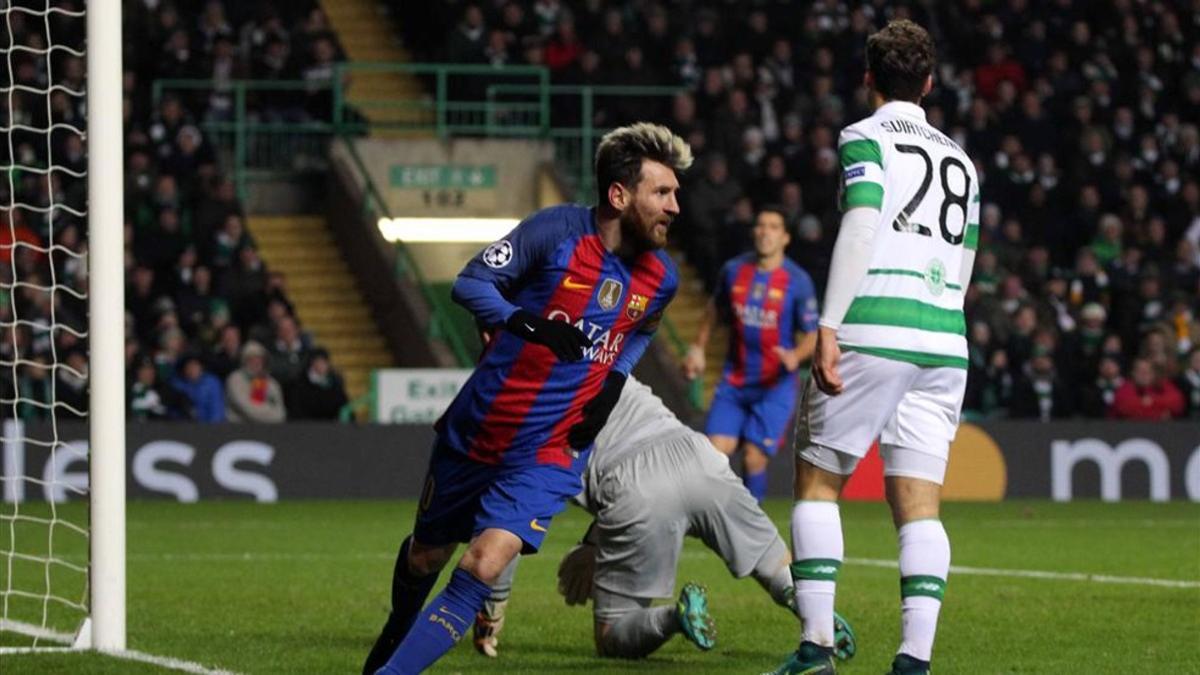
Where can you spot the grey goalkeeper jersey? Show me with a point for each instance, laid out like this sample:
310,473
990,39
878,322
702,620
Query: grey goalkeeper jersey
638,423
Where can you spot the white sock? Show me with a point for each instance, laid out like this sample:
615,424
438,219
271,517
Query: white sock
924,566
817,555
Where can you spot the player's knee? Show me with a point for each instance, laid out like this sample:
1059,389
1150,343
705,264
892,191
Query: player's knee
487,558
812,482
725,444
755,459
424,560
912,499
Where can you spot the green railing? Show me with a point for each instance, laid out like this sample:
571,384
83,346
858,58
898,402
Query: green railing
262,142
265,142
575,142
513,102
457,106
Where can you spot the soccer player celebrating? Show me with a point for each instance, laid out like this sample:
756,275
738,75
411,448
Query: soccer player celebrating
575,294
771,307
651,480
891,355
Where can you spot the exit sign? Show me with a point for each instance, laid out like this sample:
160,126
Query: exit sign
443,177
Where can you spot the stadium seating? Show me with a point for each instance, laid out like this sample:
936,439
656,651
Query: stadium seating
1083,123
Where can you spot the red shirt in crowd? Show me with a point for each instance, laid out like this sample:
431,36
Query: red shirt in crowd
1160,401
989,76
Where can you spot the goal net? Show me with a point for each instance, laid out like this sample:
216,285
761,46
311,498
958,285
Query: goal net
58,245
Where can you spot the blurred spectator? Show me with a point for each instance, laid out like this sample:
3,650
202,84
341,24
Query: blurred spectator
148,399
172,344
245,286
226,355
1098,395
319,76
318,393
290,351
71,386
202,388
713,195
251,394
564,48
1189,385
1146,395
466,44
1039,392
229,241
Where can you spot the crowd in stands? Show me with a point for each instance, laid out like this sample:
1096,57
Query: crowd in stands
210,334
1082,118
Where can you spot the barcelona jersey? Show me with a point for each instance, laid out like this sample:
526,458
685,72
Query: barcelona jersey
520,402
764,310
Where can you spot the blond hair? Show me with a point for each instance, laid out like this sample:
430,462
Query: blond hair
619,157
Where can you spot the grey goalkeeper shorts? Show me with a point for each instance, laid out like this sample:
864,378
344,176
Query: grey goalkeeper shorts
648,502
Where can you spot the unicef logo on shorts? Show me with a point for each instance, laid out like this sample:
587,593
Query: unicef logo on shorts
935,276
498,254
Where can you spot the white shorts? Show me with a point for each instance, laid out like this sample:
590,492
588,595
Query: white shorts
912,410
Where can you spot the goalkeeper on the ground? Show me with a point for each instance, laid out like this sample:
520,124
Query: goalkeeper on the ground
650,481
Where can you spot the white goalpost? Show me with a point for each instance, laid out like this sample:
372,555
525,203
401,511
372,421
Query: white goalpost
106,322
62,569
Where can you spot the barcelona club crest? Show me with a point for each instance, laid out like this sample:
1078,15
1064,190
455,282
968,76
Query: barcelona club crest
610,293
636,307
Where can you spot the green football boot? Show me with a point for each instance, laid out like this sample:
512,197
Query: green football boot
844,642
694,619
904,664
809,659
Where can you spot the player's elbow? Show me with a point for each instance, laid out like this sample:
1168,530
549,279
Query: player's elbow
463,290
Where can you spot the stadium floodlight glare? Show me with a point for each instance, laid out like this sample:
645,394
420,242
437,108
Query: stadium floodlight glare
444,230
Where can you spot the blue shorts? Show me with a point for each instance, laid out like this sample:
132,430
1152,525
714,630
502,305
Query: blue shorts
463,497
759,415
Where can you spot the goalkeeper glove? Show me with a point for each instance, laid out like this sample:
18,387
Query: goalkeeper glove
575,574
565,340
488,624
596,412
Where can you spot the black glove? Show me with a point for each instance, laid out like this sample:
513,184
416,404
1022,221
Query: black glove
565,340
596,412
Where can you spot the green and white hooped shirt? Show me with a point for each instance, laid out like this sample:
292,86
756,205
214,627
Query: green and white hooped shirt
909,306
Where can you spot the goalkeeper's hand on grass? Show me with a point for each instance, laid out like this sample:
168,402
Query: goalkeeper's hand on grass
488,624
575,574
565,340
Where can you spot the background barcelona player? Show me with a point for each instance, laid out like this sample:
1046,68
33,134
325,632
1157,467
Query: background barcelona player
771,308
576,294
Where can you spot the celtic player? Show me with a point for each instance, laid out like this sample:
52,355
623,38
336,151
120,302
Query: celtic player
890,360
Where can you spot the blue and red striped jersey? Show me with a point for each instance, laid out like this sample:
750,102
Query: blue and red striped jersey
764,310
518,405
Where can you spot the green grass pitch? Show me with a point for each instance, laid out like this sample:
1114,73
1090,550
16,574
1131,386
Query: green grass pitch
303,588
